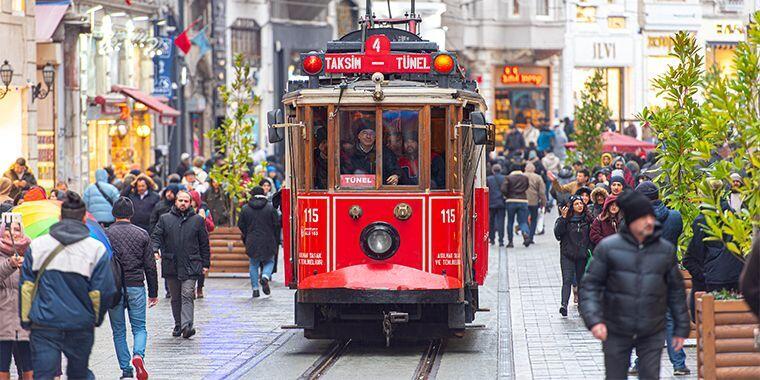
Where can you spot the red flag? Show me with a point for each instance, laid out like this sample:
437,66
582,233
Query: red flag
183,42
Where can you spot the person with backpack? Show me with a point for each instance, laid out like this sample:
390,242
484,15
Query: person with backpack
66,286
132,248
99,198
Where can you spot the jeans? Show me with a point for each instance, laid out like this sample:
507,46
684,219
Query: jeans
183,298
136,310
48,344
570,269
253,268
19,350
677,358
533,212
496,223
519,209
617,355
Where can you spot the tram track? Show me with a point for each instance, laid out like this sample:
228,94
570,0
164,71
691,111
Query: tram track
426,368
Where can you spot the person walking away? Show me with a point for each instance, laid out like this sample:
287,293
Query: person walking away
20,176
181,241
630,130
514,189
514,141
14,340
496,205
259,225
74,285
632,282
560,139
132,246
607,222
545,142
184,164
217,202
750,280
100,197
572,231
144,200
536,195
202,210
530,133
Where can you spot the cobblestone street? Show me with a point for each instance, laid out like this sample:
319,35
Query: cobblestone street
241,338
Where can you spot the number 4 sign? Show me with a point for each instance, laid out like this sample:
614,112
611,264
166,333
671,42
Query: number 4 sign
377,44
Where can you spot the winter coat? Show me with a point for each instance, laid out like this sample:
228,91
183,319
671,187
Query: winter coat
208,219
183,241
495,199
710,263
545,140
671,221
573,235
217,203
604,224
98,205
259,224
515,187
630,286
750,278
144,206
536,192
162,207
552,163
10,324
78,284
132,245
515,140
27,176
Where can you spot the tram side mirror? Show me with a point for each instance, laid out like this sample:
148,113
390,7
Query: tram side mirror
480,132
274,118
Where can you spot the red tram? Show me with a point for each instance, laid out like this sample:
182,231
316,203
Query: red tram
385,209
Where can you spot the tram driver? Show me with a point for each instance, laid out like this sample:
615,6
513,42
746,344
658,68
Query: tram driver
363,160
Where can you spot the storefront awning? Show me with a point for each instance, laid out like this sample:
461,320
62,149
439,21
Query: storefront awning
150,101
47,16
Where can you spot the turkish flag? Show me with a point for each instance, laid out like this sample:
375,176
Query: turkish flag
183,42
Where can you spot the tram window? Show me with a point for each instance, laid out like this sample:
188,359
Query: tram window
319,158
438,148
358,155
401,137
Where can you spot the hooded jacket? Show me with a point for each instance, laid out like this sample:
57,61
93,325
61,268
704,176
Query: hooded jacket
208,219
495,198
627,175
551,163
98,205
598,208
183,241
72,291
605,224
259,224
671,221
10,325
6,185
630,286
573,235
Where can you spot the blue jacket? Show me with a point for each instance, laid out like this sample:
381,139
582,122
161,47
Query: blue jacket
96,203
671,221
74,290
495,199
545,139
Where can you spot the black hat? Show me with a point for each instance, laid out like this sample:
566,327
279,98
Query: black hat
363,124
649,189
257,190
634,205
72,207
123,208
134,172
583,189
617,179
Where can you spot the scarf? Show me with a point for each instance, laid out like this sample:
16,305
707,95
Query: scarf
21,241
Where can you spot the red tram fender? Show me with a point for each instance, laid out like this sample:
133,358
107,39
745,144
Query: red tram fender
379,276
481,234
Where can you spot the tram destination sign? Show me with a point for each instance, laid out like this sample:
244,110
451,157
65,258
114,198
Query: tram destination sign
377,57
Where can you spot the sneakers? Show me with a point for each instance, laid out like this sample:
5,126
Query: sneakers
563,311
681,371
126,375
177,331
501,244
137,362
255,293
265,285
187,332
199,293
510,245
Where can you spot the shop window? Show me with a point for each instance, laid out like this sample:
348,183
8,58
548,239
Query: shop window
520,107
721,56
542,7
246,40
401,153
320,143
438,127
585,14
616,22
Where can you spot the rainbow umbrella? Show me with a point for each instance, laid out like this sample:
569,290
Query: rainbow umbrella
38,216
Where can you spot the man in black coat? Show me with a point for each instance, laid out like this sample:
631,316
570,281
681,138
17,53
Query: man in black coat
497,208
364,158
144,200
182,240
632,282
259,223
164,206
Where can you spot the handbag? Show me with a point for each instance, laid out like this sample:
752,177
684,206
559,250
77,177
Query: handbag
29,289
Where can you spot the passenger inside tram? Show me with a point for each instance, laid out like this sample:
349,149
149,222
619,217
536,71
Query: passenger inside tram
320,158
363,160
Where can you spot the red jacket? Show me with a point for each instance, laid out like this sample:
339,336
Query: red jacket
601,228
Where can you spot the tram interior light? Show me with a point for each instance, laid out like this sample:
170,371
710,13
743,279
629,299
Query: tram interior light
443,63
312,65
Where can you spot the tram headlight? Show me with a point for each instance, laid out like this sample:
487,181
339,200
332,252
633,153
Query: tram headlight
379,241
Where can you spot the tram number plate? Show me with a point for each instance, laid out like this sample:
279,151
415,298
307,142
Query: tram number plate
357,181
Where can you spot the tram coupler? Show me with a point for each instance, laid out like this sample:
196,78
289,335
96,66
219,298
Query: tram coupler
389,319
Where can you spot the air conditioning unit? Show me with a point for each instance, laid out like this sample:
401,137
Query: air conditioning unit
731,6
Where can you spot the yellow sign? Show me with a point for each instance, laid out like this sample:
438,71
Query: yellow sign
512,75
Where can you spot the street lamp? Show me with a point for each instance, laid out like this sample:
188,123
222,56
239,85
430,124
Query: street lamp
6,75
48,76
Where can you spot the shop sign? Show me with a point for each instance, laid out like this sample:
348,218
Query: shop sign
604,52
164,68
515,75
726,30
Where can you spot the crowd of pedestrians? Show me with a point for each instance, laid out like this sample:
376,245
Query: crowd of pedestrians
56,289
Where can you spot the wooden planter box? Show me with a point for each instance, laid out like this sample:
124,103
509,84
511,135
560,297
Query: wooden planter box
725,344
228,252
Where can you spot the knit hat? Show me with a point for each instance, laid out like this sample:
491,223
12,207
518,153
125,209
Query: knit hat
618,179
364,125
649,189
618,173
634,205
172,187
582,190
184,156
123,208
257,190
72,206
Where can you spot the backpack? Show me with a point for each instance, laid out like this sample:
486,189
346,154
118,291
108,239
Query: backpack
118,276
